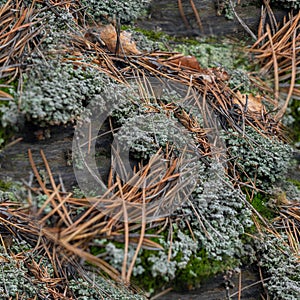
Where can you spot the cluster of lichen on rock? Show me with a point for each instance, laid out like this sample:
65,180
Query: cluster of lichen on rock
209,238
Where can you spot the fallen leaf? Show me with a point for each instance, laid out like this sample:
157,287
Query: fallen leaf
127,46
249,102
189,61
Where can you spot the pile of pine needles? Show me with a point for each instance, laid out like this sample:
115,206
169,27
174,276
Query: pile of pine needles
20,35
277,51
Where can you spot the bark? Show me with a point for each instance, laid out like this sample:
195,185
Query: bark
14,160
165,16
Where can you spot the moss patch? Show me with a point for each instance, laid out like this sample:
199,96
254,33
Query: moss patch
259,203
200,268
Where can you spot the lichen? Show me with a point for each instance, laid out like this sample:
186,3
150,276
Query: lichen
99,288
262,160
145,134
125,10
17,281
115,256
281,266
226,7
57,93
219,218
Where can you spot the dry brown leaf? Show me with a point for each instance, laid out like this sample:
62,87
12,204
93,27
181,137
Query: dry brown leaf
249,102
127,46
189,61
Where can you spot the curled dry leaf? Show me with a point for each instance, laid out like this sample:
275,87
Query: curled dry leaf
108,36
249,102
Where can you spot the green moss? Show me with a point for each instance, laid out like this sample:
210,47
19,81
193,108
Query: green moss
259,203
5,186
294,182
295,114
146,280
150,34
200,268
12,191
216,52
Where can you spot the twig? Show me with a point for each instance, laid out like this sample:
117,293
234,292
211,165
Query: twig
164,292
249,286
275,65
293,79
242,22
186,23
199,23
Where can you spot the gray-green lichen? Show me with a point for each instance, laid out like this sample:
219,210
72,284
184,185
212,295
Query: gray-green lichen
100,288
219,217
115,256
15,279
145,134
19,282
226,7
281,265
55,93
126,10
239,79
166,265
262,160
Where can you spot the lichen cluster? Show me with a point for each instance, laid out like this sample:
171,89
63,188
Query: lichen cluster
98,287
281,266
125,10
18,281
217,213
262,161
15,280
55,93
219,218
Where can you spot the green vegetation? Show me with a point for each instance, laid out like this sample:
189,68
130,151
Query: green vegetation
281,266
126,10
260,204
294,108
199,268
